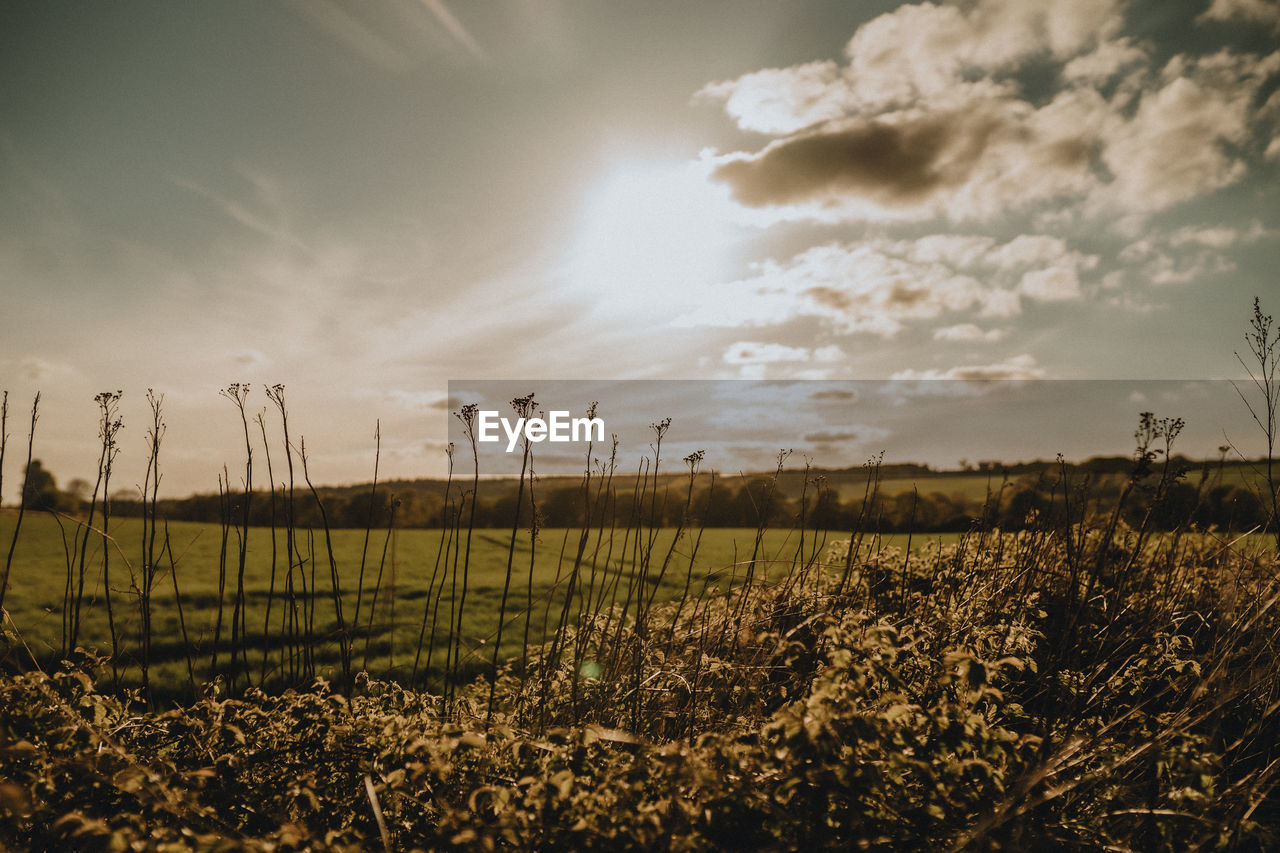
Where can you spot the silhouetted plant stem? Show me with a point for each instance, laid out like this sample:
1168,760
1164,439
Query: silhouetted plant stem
182,622
869,496
377,587
468,417
271,584
4,444
224,525
583,537
534,528
1263,339
368,527
344,639
693,460
310,596
523,406
446,535
237,393
22,502
641,624
110,427
451,575
764,510
151,482
301,659
594,598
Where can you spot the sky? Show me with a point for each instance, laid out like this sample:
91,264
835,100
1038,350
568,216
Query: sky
367,201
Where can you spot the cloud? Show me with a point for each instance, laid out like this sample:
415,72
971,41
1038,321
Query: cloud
420,400
967,332
920,52
1183,139
781,100
393,38
842,395
977,161
267,213
879,285
1190,253
1164,269
353,34
1220,236
747,352
831,437
897,162
1104,62
251,359
1051,284
37,369
932,116
455,28
1260,11
859,288
1018,367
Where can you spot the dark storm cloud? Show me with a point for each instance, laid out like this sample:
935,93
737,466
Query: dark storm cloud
891,163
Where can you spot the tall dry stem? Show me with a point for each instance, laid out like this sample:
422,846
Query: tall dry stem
22,503
1263,339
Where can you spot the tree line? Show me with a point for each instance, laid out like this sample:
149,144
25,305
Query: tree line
1031,492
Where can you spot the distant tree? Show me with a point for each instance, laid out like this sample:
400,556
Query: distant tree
560,507
77,492
712,506
39,490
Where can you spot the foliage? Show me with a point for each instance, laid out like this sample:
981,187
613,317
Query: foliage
957,697
40,491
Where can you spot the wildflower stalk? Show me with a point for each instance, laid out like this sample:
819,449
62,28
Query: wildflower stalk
446,535
377,588
368,527
261,420
344,638
524,407
22,503
1263,339
151,482
468,417
237,393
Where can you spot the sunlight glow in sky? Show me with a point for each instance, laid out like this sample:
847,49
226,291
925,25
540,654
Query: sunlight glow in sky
648,233
364,201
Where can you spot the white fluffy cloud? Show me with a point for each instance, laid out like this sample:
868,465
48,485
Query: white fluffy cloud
1181,141
927,119
783,100
1021,132
878,286
1260,11
1190,254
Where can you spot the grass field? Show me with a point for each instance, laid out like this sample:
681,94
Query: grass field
975,486
386,640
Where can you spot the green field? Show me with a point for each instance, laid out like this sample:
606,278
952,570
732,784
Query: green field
39,576
976,486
